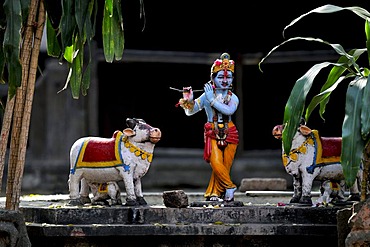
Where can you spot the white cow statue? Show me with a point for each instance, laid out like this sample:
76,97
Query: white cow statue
124,157
331,191
314,158
107,193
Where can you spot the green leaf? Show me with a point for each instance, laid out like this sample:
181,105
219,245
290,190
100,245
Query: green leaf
69,53
367,32
337,47
54,12
11,45
94,13
296,103
107,31
89,28
76,76
15,74
329,8
322,97
53,47
365,113
332,78
86,78
67,23
117,29
81,11
352,142
25,5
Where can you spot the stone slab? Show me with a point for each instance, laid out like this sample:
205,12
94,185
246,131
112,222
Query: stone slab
262,184
51,223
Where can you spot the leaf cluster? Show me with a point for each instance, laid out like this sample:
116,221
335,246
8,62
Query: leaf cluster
13,18
68,32
356,123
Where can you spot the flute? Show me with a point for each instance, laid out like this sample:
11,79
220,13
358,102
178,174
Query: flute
200,90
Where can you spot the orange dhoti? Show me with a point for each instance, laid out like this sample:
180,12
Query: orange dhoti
220,159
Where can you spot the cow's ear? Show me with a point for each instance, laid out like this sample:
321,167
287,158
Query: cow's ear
305,130
128,132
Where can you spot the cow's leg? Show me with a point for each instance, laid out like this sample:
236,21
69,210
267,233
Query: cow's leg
342,187
84,192
95,193
114,193
297,190
129,185
307,181
138,192
355,190
74,185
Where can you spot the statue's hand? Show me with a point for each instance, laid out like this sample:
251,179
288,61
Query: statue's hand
208,90
185,104
187,94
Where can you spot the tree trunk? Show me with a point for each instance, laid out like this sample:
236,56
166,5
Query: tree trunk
23,104
5,130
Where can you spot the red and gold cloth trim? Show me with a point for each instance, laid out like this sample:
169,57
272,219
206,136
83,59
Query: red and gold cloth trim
209,133
98,153
327,149
103,188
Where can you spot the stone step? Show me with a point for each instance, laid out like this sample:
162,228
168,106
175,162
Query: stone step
49,216
161,215
191,229
264,219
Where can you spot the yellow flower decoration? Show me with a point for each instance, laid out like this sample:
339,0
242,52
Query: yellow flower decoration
293,157
285,161
138,151
303,149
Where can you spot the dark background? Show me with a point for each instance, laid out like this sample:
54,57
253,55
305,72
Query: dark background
237,27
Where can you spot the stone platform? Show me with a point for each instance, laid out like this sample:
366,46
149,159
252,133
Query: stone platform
259,219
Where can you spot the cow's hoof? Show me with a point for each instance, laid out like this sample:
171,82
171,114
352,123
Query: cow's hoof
141,201
306,200
74,202
115,202
294,199
85,199
130,202
100,202
354,198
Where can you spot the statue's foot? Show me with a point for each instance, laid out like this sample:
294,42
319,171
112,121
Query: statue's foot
141,201
116,202
295,199
74,202
215,199
306,200
229,195
100,203
85,199
131,202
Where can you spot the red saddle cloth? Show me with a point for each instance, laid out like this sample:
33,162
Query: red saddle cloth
101,149
331,146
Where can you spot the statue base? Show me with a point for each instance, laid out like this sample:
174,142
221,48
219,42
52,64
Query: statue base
216,204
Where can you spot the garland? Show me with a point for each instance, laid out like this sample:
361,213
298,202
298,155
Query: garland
293,154
137,151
